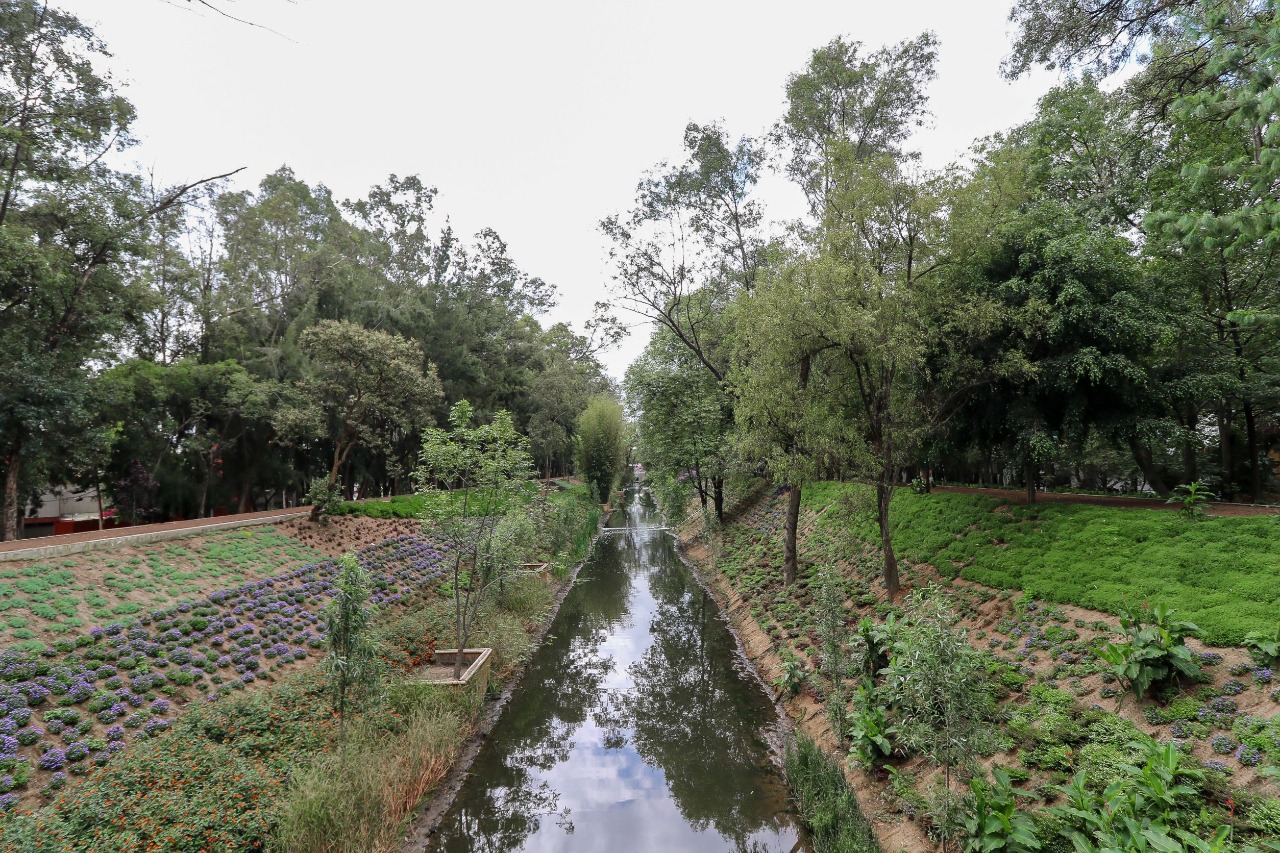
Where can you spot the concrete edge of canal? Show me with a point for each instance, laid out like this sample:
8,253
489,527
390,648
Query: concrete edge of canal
429,814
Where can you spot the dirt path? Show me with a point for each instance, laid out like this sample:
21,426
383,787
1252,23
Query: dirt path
1019,496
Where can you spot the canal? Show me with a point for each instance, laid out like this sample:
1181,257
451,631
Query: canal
635,727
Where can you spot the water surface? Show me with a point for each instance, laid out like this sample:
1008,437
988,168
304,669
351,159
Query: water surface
633,729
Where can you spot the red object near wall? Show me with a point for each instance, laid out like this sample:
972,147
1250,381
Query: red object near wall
87,525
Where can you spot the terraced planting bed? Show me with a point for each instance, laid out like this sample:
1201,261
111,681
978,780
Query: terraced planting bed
1065,711
68,706
42,601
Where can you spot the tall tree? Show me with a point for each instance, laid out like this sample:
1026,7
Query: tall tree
67,221
363,387
602,445
846,105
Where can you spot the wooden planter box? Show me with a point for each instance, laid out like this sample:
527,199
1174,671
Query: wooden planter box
475,671
541,569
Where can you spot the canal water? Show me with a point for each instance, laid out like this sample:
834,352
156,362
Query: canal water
634,728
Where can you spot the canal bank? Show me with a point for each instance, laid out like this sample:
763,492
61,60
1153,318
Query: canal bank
804,714
637,723
418,836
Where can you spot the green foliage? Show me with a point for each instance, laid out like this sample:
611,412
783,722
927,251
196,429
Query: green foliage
1138,810
1191,499
1103,558
1155,655
995,823
358,801
793,676
352,664
1264,647
325,498
938,683
601,448
825,802
870,730
471,479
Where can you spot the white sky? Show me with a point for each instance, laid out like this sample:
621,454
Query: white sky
536,119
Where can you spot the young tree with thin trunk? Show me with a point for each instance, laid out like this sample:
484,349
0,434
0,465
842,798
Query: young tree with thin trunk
474,479
352,664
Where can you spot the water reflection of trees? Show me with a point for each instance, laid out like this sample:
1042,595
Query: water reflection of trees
691,717
561,689
687,714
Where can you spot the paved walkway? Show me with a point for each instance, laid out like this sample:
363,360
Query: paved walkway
144,530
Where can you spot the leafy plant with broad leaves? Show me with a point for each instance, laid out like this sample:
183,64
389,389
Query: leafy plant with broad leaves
995,822
1156,654
793,676
875,643
870,729
1264,646
1139,811
1191,498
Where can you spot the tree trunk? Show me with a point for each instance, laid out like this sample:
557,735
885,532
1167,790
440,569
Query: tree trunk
246,493
790,563
1251,443
12,471
1142,455
1224,451
718,497
1030,475
884,494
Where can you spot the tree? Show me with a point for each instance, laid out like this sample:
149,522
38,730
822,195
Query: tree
825,357
568,376
67,222
1099,35
683,419
474,480
601,448
364,386
691,242
848,106
938,682
352,664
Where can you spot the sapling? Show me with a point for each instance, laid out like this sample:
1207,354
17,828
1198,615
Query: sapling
352,664
939,685
473,479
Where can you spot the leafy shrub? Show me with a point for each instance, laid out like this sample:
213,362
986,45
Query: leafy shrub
870,730
324,497
1155,655
994,822
1264,647
1191,499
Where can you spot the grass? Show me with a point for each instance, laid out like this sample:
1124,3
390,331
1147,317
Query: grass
357,799
825,802
1221,573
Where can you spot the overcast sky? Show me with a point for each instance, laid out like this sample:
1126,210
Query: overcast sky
536,119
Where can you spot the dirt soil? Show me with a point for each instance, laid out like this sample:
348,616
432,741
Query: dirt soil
346,533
